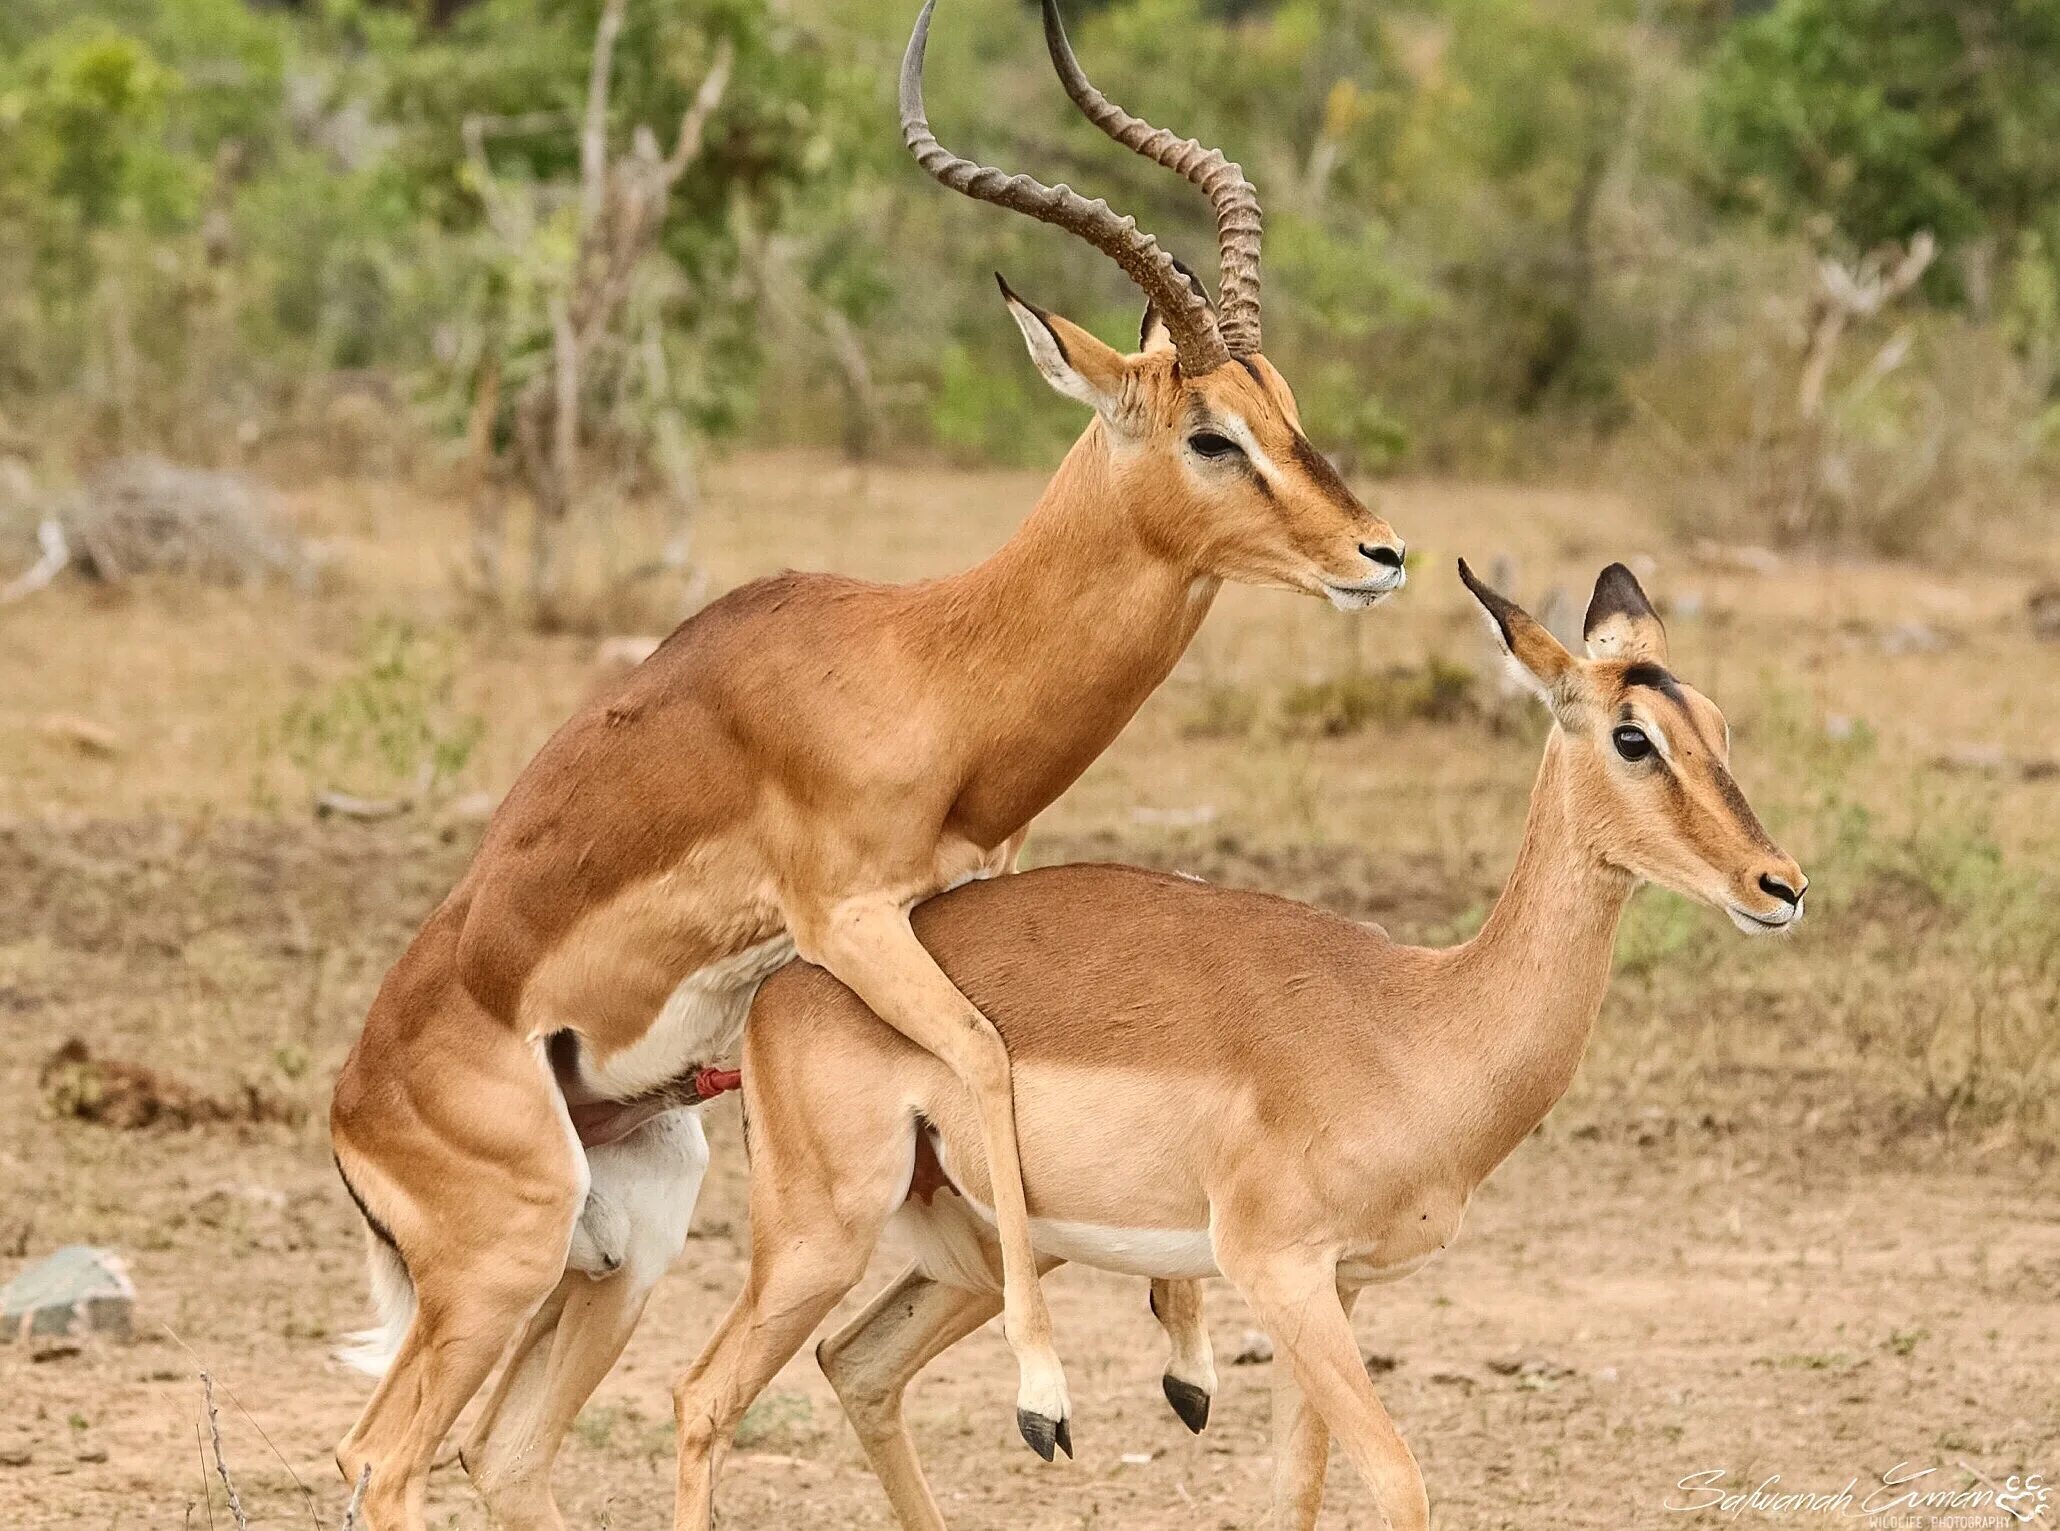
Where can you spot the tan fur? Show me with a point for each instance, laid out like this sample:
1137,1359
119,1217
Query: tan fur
1313,1101
808,757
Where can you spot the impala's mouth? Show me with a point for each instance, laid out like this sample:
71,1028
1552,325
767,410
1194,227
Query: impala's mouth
1364,593
1764,924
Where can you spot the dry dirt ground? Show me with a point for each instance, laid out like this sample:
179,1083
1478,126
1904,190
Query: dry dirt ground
1761,1237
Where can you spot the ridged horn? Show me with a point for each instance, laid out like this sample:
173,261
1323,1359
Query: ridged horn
1197,343
1234,198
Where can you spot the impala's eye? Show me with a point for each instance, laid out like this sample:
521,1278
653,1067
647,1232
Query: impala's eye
1210,445
1631,742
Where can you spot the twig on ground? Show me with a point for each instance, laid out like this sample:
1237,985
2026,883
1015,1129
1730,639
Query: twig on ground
214,1431
207,1493
357,1497
57,556
343,805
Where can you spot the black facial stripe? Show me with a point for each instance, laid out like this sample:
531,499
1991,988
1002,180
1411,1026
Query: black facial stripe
1727,789
1317,466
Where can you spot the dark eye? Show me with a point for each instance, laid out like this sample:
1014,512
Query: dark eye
1631,742
1209,444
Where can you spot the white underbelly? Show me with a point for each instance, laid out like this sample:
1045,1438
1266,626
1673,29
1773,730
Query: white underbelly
1157,1252
1167,1253
701,1022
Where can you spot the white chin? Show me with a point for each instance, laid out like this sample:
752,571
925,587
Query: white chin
1347,598
1757,927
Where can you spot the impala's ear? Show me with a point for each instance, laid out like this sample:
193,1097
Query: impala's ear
1621,623
1535,657
1072,361
1152,334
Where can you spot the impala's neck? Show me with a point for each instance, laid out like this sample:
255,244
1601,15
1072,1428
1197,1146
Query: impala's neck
1057,639
1531,983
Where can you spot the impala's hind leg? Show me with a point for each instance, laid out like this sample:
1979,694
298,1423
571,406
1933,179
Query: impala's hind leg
646,1185
1190,1379
476,1183
872,1360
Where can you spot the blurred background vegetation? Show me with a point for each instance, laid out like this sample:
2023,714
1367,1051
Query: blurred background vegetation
1792,268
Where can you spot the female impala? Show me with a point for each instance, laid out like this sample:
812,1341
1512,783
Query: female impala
1211,1081
791,771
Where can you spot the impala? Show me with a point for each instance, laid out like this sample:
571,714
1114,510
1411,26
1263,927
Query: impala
1211,1081
797,766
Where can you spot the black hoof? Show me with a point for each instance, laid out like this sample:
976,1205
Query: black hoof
1041,1433
1189,1402
1064,1436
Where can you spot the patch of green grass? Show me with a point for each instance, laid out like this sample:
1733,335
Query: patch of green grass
1436,691
776,1422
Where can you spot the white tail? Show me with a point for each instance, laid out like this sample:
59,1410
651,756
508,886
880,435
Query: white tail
372,1350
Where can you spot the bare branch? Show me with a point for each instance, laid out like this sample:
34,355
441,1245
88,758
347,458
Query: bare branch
214,1432
695,122
593,133
357,1499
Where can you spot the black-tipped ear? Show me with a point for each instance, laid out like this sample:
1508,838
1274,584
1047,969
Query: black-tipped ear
1541,661
1074,362
1621,622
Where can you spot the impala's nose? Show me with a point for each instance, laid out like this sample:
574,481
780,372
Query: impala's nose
1774,887
1388,555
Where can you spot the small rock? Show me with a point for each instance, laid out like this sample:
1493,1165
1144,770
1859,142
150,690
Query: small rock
1254,1350
1910,636
471,808
1379,1362
617,656
15,1456
1175,818
90,1454
1739,558
1606,1374
78,1290
1449,1375
82,734
1983,759
2043,607
1137,1458
1528,1366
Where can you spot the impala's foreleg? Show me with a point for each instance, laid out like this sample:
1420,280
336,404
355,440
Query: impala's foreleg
1301,1445
870,946
1297,1300
646,1185
1190,1379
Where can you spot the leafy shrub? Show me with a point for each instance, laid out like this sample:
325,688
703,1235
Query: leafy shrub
392,726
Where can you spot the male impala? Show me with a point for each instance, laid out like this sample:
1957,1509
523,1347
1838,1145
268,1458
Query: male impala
793,769
1212,1081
